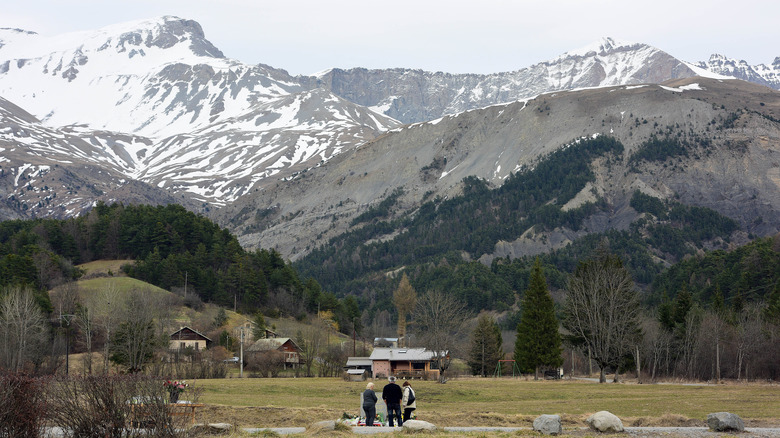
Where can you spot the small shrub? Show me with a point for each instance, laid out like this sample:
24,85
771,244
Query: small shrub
22,406
100,406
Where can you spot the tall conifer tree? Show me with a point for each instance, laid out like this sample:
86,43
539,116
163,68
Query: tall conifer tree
538,341
486,348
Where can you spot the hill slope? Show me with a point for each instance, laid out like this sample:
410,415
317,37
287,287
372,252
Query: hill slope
737,175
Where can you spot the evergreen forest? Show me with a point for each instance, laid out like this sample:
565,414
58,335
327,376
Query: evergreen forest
169,246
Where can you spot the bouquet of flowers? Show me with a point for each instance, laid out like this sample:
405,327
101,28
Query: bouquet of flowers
175,387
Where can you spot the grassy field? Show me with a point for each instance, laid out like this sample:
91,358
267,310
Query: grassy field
488,402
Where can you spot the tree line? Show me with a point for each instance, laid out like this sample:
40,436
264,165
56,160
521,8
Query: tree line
600,319
169,247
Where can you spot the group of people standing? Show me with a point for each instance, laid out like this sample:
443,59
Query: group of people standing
394,397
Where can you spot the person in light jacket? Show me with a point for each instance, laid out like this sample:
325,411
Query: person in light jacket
369,403
408,394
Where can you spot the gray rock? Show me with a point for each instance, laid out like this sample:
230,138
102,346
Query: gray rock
419,425
725,422
604,421
548,424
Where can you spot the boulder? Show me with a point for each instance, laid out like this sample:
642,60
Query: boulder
419,425
725,422
604,421
548,424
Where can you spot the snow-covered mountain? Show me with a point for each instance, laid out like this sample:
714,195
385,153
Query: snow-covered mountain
416,96
198,123
152,110
763,74
155,78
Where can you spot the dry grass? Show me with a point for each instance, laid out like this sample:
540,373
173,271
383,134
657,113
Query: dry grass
99,267
488,402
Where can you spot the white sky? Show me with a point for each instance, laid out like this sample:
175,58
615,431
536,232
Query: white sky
455,36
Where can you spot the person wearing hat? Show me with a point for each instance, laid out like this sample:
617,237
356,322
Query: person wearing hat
392,395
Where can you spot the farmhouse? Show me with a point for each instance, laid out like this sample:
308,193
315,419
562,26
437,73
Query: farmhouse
292,353
404,363
186,337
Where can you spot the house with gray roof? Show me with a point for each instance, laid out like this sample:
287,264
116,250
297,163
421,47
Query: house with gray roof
404,363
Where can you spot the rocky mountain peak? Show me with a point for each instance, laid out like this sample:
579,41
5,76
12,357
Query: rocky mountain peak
163,32
740,69
603,47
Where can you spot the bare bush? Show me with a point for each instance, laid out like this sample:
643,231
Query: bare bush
196,369
22,406
100,406
267,363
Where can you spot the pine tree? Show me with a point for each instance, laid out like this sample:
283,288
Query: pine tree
258,328
538,341
486,346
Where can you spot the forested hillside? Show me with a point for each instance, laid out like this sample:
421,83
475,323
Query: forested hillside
748,273
437,245
171,246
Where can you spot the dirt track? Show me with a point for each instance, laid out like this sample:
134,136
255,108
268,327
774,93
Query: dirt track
252,417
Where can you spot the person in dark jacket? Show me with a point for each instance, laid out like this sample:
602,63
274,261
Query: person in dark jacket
369,403
392,395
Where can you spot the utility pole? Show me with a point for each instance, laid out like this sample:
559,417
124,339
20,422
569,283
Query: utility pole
67,318
241,354
571,374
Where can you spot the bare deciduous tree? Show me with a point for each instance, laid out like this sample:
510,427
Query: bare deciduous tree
601,309
439,320
404,299
310,341
107,305
714,332
22,328
135,339
656,344
749,336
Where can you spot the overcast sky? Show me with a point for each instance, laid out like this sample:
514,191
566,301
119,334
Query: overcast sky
478,36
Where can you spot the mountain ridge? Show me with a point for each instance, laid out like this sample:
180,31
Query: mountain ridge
183,123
